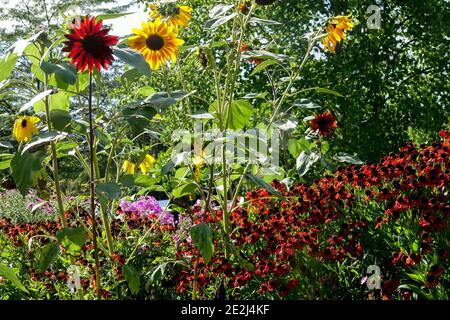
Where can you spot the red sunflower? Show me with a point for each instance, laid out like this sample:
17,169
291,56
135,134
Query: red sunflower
89,44
325,122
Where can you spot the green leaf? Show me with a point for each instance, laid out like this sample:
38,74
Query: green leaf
345,157
263,54
139,116
109,16
295,147
306,104
42,139
202,236
219,10
263,66
48,254
5,161
261,183
217,22
238,115
146,91
134,59
7,64
63,70
254,20
35,100
183,190
132,277
60,119
9,274
328,91
179,158
202,116
162,100
130,76
24,166
305,161
145,181
58,101
72,239
109,190
419,291
325,146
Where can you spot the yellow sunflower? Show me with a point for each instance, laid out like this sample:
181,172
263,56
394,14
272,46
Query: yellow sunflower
175,16
199,163
24,128
335,31
128,167
157,42
147,164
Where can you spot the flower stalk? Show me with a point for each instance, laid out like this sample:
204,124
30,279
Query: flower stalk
92,189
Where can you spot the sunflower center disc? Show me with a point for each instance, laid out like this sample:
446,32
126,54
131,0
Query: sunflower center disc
92,45
322,122
24,123
155,42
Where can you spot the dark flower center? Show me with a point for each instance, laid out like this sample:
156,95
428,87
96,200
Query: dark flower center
24,123
323,122
93,45
155,42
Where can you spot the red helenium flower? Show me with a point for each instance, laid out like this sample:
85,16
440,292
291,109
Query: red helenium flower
89,44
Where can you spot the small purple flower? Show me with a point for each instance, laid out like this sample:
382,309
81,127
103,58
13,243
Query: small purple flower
142,206
167,218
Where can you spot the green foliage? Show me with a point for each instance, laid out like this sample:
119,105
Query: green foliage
202,236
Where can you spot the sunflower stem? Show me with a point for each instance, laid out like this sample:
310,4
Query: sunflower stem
92,189
59,200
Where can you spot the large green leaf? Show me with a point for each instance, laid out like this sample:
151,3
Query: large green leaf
162,100
305,161
134,59
239,113
295,147
61,119
5,160
72,239
42,139
306,104
48,254
9,274
63,71
217,22
35,100
184,189
345,157
328,91
24,166
109,190
261,183
219,10
58,101
132,277
202,236
139,115
7,64
263,66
